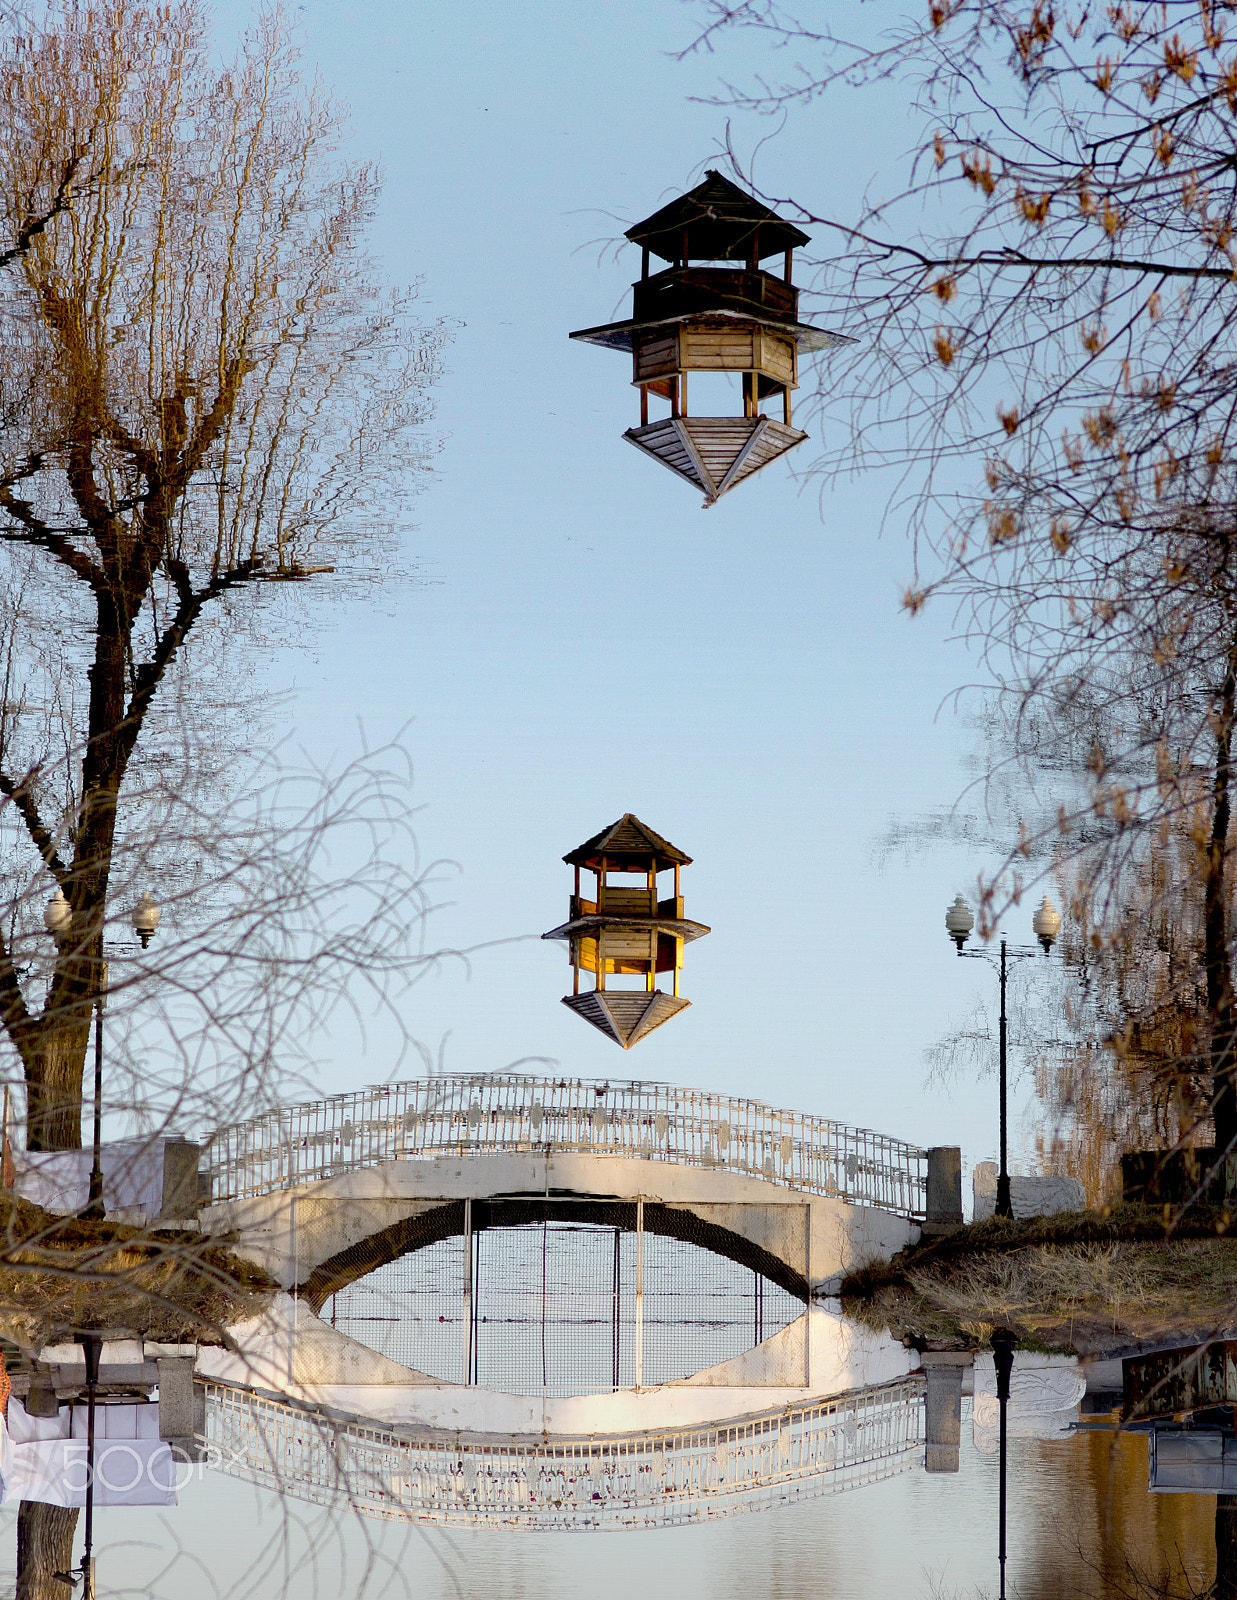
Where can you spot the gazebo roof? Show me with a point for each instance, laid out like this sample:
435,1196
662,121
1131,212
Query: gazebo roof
720,219
627,843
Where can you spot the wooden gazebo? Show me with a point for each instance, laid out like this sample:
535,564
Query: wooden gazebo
731,318
625,931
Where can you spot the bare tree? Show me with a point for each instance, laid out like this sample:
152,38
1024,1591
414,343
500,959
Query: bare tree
1044,321
202,394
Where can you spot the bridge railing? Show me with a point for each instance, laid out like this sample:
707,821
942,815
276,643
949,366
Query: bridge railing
643,1479
509,1111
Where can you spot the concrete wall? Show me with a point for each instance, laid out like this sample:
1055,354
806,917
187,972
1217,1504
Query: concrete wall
1029,1197
818,1238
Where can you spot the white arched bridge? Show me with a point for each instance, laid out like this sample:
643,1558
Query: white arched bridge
325,1193
518,1301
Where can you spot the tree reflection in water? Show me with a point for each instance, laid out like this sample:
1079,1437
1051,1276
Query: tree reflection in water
1100,1534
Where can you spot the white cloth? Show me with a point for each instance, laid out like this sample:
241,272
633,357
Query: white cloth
59,1180
45,1458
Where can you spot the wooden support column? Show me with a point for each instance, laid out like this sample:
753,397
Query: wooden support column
652,886
601,932
575,943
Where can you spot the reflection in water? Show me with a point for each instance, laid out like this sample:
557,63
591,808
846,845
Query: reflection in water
642,1479
1100,1532
1081,1525
553,1308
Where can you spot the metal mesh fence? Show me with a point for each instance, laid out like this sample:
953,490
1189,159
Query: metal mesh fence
552,1309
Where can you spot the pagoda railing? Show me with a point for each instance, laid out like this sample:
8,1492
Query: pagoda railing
300,1144
624,1481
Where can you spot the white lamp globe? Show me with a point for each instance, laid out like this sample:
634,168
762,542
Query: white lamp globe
1046,923
58,916
959,920
146,916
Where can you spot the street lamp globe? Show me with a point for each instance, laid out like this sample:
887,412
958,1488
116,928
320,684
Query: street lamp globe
959,920
1047,924
146,916
58,916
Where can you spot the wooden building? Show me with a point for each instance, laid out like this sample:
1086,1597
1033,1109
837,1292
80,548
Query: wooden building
732,318
626,931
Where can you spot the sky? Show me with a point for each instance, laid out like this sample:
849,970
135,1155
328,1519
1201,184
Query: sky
575,637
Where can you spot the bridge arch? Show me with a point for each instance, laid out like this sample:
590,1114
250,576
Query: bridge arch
424,1229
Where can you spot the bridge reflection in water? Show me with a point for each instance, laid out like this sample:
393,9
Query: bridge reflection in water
636,1480
564,1306
649,1256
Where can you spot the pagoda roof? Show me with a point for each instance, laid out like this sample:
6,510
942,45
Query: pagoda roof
621,335
720,219
626,1017
627,841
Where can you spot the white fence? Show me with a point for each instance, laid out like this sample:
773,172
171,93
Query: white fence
642,1480
507,1111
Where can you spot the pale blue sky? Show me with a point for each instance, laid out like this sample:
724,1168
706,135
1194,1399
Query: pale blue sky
586,640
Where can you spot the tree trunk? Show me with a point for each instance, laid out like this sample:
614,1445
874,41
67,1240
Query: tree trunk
45,1547
54,1083
1216,932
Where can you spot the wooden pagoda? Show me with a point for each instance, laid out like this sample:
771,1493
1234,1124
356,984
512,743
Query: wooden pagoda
625,931
734,318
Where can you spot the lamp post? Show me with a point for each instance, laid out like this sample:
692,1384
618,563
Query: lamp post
1003,1359
58,920
92,1346
1046,925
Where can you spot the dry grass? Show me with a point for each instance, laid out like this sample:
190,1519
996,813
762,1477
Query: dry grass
62,1274
1084,1283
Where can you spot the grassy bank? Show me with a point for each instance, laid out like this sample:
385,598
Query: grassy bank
58,1274
1081,1282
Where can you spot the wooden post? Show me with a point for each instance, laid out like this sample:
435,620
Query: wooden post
601,932
652,888
685,246
753,251
786,405
644,405
644,262
786,272
575,943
